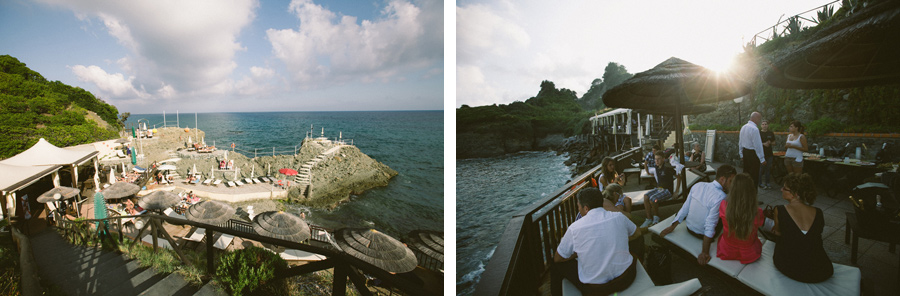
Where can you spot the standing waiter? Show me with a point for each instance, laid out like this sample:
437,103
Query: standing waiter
751,148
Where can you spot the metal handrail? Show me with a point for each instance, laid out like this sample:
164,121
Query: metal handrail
773,29
342,262
525,249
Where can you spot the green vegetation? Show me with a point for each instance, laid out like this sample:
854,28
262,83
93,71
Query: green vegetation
551,111
9,266
31,107
252,270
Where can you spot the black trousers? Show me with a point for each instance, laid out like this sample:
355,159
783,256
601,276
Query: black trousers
569,271
751,165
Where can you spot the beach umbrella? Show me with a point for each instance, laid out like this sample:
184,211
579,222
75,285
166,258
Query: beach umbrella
252,172
289,172
159,200
674,85
120,190
112,175
281,225
123,141
210,212
194,169
430,243
376,248
860,50
58,193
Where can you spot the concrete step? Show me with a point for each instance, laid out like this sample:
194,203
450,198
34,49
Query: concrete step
137,284
101,279
54,271
211,290
173,284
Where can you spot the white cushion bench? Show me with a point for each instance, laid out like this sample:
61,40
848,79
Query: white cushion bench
643,285
761,275
637,197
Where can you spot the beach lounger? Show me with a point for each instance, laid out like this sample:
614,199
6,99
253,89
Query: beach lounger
160,242
259,180
120,154
255,180
207,182
238,183
217,182
197,236
171,213
643,285
298,255
230,184
224,241
248,181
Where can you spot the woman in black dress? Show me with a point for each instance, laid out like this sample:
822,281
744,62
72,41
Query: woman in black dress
799,253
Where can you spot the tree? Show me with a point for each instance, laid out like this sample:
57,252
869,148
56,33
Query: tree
122,118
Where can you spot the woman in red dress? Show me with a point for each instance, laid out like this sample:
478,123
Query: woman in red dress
741,217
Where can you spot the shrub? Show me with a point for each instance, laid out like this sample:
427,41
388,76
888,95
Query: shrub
823,125
252,270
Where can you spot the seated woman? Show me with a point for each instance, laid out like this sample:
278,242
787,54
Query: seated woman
799,253
740,219
697,155
608,175
613,196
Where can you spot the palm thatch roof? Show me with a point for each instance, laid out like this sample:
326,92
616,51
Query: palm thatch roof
376,248
860,50
430,243
159,200
210,212
672,83
63,192
120,190
281,225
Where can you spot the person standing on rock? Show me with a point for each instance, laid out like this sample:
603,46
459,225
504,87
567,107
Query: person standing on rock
750,147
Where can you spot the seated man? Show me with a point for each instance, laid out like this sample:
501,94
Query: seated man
650,160
665,180
600,243
705,199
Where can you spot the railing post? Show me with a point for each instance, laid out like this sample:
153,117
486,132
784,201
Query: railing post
339,283
210,256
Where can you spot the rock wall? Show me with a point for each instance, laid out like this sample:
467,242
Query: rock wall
471,145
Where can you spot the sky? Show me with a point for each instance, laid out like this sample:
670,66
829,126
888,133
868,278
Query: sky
506,48
150,56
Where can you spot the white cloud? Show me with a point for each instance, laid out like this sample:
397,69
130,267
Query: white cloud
331,48
112,84
176,47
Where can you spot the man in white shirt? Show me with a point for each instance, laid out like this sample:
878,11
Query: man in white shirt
750,147
700,211
599,240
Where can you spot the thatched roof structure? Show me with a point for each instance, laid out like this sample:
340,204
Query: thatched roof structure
376,248
281,225
210,212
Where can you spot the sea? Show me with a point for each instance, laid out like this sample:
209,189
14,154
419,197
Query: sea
488,192
410,142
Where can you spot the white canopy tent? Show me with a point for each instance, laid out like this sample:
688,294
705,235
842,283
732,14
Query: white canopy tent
14,178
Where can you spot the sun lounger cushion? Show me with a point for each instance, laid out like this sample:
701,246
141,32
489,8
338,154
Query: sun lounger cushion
217,182
238,183
224,241
160,242
120,154
684,240
298,255
637,197
207,181
171,213
645,175
197,236
762,276
230,184
248,181
643,285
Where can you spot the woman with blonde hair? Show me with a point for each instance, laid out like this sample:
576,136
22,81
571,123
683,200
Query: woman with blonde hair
741,217
613,193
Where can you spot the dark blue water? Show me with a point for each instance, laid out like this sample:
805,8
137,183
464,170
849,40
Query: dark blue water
410,142
488,192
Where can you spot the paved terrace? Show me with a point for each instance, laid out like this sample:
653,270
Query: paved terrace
878,266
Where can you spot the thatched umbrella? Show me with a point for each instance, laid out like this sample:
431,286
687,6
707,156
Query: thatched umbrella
430,243
210,212
120,190
376,248
123,140
159,200
58,193
860,50
674,85
281,225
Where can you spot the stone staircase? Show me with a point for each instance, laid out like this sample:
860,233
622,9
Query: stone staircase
80,270
304,174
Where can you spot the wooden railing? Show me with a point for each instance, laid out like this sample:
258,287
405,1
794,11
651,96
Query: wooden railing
526,247
345,266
